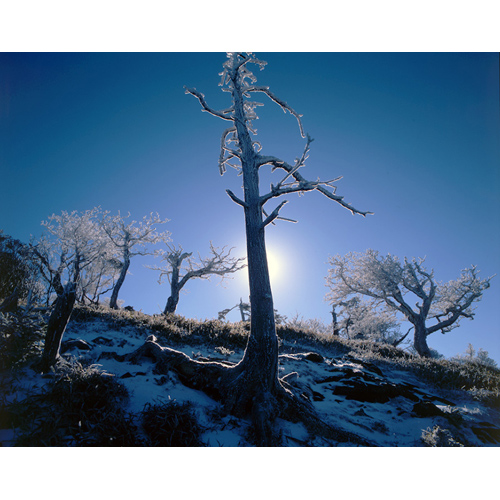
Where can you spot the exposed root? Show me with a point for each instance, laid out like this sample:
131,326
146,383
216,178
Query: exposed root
243,393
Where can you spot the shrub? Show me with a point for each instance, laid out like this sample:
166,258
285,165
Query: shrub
171,424
81,406
20,339
439,437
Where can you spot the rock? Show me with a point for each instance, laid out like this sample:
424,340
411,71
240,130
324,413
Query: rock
129,375
331,378
314,357
425,409
361,413
372,368
317,396
369,393
102,341
78,344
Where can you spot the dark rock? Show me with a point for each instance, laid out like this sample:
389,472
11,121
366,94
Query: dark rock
373,368
102,341
369,393
112,355
425,409
129,375
361,413
72,344
161,381
314,357
317,396
331,378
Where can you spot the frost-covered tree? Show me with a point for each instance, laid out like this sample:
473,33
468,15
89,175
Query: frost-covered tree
180,267
131,238
253,386
366,320
74,244
408,288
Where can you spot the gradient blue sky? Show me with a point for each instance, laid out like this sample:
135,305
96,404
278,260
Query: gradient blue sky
415,135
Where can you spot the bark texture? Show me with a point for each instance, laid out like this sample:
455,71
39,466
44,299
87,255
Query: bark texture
58,321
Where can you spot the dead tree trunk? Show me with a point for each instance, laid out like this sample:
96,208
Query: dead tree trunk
113,302
175,287
58,321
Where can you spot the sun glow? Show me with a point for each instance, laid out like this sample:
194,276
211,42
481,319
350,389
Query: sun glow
275,265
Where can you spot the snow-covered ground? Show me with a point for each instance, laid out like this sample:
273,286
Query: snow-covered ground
383,405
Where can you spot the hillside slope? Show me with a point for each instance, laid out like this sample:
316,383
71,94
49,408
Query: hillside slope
375,395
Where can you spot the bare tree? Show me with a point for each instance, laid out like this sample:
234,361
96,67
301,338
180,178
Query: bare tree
127,236
387,280
244,308
246,312
253,386
181,267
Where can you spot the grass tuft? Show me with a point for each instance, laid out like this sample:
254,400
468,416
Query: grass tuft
171,424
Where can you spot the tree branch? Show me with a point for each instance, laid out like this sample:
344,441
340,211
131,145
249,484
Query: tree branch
205,106
283,105
236,199
274,214
302,185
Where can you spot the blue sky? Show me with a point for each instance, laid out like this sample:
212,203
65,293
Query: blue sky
416,137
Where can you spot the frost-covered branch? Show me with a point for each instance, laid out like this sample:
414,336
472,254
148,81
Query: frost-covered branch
201,98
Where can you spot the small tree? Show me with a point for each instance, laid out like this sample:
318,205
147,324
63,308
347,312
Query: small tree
480,357
246,312
244,308
75,244
365,320
181,267
387,280
253,387
130,239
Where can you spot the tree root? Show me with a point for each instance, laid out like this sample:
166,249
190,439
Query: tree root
242,394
